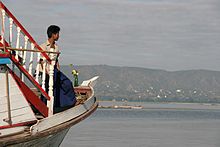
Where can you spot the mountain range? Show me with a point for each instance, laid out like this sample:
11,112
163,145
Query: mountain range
143,84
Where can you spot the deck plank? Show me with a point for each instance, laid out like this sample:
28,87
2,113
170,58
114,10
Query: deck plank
20,108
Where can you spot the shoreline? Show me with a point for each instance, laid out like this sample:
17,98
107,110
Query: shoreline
161,105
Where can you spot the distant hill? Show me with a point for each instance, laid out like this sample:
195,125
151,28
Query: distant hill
141,84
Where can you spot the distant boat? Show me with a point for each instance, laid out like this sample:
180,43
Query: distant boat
122,107
127,107
25,120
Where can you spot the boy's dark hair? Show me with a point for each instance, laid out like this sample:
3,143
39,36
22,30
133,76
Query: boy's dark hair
53,29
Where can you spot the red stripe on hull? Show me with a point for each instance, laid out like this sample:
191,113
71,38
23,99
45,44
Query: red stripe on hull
18,124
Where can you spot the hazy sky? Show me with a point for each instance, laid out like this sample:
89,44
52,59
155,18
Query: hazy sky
160,34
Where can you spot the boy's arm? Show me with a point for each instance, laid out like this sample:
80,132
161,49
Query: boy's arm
58,65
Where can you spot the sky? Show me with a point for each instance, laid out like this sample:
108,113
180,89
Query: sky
160,34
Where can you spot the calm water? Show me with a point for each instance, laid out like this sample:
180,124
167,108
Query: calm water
147,128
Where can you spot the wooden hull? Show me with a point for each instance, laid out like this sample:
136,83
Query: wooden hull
53,140
54,135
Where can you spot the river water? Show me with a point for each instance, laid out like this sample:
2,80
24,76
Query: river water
161,125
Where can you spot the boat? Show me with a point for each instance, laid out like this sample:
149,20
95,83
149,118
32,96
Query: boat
25,120
122,107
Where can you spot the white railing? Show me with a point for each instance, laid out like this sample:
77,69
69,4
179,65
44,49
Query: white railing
27,52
